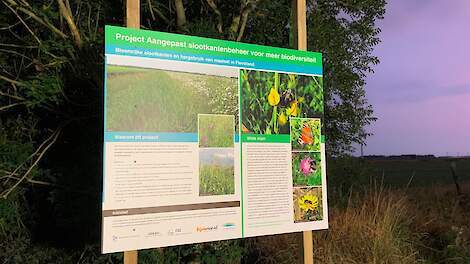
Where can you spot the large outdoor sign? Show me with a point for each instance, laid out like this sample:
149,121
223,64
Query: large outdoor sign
209,140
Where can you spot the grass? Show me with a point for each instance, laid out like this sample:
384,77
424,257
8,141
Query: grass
216,180
372,229
216,131
112,69
425,172
163,101
389,222
428,224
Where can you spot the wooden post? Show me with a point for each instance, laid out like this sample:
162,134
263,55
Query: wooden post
308,247
133,13
299,9
133,21
130,257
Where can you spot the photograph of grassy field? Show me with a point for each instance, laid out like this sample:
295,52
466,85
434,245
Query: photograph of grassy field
305,134
216,131
140,99
216,171
306,168
307,204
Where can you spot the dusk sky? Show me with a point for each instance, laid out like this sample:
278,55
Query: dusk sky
420,91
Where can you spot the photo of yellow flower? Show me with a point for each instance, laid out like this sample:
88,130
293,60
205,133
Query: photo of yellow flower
270,99
273,97
308,204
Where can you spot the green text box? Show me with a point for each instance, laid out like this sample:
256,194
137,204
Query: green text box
258,138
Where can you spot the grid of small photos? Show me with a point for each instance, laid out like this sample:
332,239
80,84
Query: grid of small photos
305,136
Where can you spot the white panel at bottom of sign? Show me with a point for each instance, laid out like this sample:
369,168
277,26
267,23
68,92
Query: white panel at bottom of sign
143,231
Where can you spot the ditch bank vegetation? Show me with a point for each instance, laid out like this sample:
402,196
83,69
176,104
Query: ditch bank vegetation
380,225
370,222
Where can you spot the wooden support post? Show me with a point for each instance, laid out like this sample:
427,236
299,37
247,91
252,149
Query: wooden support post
133,13
130,257
133,21
308,247
299,9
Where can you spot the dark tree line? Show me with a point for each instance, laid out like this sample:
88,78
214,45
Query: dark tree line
51,81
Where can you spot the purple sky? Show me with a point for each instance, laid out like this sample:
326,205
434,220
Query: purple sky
421,89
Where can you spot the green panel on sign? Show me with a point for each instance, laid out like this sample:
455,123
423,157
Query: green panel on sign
152,40
257,138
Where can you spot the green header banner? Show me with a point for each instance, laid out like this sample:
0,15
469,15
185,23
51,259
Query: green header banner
135,42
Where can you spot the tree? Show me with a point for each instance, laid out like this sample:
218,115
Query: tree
51,77
346,33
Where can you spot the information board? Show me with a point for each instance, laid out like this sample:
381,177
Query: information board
209,140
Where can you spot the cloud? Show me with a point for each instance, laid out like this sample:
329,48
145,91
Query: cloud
415,91
422,57
421,89
439,125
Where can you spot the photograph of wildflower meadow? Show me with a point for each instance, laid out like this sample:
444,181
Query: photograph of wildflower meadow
216,171
152,100
306,169
270,99
308,204
216,130
305,134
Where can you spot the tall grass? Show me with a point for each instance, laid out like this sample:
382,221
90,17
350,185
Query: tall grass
442,218
163,101
372,229
216,131
216,180
150,100
379,225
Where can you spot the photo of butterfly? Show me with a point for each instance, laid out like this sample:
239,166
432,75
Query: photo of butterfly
305,134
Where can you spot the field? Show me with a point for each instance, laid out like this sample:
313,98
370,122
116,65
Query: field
164,101
422,172
388,220
216,180
216,131
216,171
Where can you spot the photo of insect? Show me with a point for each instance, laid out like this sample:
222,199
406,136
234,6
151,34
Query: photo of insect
308,166
287,97
306,136
306,169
